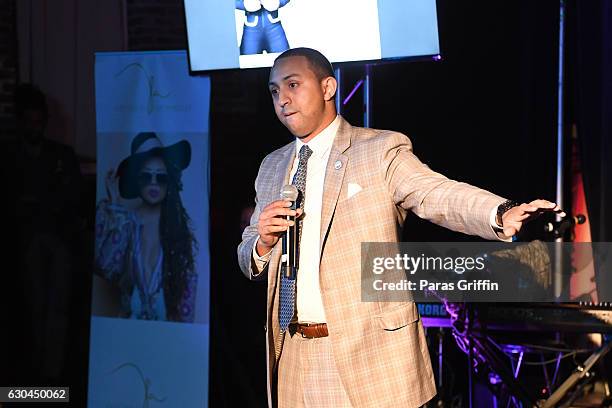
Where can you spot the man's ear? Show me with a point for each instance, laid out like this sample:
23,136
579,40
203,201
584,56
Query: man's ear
330,85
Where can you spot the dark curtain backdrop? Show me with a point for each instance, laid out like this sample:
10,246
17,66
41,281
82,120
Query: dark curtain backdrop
485,114
590,35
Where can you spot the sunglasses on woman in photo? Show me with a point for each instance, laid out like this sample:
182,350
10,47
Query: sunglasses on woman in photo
146,178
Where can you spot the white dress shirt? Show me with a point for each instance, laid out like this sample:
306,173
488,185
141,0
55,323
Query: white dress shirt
308,299
308,290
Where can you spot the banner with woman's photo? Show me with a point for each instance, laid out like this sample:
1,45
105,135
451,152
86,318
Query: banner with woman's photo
150,292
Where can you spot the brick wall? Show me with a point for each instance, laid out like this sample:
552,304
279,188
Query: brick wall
160,25
8,62
151,25
156,25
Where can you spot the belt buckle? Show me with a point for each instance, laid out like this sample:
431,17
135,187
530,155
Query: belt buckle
301,327
301,331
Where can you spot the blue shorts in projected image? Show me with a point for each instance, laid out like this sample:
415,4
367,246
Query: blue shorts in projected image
262,30
270,37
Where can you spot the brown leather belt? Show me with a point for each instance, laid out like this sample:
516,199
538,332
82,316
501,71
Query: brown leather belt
309,330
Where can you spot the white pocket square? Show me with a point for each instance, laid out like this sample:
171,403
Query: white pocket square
353,188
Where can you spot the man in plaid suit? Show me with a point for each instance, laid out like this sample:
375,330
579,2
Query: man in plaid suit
338,351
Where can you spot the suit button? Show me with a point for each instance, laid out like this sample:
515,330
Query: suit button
265,328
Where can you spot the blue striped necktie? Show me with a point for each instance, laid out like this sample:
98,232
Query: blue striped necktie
287,287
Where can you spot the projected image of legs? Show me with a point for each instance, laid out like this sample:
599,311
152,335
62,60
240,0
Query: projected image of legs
262,29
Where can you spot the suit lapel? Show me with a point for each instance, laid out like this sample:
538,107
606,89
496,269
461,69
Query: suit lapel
283,171
334,175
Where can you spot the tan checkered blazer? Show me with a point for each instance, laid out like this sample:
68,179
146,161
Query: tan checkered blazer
379,347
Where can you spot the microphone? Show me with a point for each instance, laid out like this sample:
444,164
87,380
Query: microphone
289,240
559,227
289,193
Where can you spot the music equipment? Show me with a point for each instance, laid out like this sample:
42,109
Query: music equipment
564,317
474,325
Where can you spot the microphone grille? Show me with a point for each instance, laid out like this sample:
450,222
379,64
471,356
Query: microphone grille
289,192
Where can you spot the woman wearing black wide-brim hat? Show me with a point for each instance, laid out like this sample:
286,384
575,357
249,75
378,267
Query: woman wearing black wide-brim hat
148,250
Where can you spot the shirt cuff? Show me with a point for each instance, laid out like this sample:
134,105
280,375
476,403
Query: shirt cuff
498,231
260,261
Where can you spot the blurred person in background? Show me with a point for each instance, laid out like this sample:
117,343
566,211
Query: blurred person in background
45,201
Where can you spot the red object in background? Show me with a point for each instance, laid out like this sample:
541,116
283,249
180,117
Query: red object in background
582,280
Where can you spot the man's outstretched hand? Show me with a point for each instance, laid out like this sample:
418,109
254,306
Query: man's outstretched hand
514,218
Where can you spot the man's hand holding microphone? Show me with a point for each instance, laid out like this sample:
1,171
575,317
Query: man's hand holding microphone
273,223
